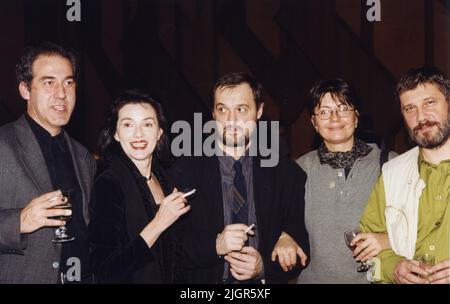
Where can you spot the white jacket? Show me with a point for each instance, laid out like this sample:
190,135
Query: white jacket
403,188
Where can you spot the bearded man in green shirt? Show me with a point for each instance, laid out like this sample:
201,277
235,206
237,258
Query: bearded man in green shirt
410,200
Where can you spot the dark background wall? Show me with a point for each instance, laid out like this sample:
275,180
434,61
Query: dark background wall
177,48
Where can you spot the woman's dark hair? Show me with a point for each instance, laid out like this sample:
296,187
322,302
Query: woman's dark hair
339,89
420,76
108,146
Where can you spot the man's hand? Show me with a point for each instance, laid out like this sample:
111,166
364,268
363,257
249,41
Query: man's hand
441,273
407,271
246,264
232,238
369,245
36,214
287,249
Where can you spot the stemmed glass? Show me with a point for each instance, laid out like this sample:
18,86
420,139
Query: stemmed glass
349,236
61,233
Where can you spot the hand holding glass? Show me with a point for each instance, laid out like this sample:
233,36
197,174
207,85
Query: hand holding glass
426,261
349,236
61,233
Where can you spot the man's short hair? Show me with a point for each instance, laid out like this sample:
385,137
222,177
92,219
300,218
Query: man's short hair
424,75
24,68
233,79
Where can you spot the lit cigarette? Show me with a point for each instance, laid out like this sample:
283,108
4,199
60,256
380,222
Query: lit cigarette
249,228
189,193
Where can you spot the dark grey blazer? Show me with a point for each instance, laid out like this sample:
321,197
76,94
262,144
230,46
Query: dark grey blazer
30,258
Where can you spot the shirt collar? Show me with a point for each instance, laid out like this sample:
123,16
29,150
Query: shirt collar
227,162
422,160
41,133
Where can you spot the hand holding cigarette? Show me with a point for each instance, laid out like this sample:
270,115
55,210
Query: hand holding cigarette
249,228
189,193
233,238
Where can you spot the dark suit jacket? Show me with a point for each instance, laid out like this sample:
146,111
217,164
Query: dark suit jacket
29,258
123,206
279,204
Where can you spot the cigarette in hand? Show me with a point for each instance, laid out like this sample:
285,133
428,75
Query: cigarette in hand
249,228
189,193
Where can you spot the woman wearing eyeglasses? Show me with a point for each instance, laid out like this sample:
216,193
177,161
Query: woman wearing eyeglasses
340,176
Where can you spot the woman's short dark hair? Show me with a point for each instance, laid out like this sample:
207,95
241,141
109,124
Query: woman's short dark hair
108,145
420,76
339,89
24,68
233,79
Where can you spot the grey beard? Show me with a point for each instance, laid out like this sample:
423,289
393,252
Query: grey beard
435,142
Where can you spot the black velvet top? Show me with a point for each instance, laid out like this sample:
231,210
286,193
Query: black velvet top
123,206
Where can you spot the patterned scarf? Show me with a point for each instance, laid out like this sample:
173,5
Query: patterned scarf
343,160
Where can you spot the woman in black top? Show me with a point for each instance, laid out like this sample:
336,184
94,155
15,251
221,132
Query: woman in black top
135,206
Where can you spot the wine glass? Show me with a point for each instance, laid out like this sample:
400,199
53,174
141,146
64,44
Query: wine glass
349,236
61,233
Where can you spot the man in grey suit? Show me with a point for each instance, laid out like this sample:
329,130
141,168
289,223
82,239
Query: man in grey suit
39,162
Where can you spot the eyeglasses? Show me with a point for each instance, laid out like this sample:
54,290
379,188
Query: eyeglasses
342,111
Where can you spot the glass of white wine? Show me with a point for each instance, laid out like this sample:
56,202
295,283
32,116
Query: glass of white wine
61,233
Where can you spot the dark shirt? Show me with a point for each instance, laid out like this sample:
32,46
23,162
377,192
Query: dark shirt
63,177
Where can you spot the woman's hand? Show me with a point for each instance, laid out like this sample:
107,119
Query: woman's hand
369,245
171,208
287,249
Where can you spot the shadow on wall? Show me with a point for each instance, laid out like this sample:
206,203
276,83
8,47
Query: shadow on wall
366,132
6,115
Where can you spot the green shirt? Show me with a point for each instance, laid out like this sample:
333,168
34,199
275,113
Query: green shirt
433,224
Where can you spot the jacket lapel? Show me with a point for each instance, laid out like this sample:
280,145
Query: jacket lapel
30,154
81,165
262,194
214,188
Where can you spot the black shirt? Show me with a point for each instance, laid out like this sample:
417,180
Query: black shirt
63,177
